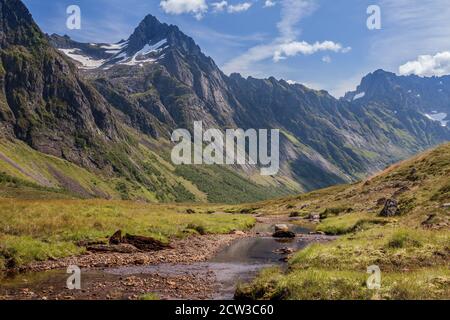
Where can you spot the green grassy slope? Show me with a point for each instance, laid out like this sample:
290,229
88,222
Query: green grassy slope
138,174
412,249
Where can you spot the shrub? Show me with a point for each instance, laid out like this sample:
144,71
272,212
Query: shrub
404,239
335,211
200,229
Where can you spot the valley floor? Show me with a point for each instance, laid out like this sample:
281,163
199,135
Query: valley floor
411,247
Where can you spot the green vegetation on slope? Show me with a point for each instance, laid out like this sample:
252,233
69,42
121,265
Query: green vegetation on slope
138,174
412,248
224,186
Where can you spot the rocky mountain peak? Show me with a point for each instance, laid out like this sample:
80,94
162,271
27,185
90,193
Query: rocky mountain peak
151,31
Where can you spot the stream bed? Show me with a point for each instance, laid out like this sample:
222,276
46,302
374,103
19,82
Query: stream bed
239,262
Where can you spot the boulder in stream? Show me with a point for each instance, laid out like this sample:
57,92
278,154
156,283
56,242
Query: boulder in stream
284,234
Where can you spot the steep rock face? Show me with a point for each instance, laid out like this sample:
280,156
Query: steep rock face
44,101
184,86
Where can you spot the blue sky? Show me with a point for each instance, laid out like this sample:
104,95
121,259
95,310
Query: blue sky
321,43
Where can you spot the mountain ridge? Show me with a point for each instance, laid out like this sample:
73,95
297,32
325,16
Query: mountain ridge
159,80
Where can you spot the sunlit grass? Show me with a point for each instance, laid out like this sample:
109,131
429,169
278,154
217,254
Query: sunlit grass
412,249
324,284
42,229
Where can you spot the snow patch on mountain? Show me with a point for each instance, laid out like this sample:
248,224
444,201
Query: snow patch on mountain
139,58
85,61
359,96
117,54
114,48
440,117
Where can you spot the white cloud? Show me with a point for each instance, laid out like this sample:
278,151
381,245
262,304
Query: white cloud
428,65
285,45
290,49
413,28
278,51
219,6
231,8
269,3
240,7
326,59
292,11
196,7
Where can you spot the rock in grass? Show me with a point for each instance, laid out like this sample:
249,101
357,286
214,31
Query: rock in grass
139,242
390,208
145,243
314,217
284,234
116,238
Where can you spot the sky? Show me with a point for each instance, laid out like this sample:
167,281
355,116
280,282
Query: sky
322,44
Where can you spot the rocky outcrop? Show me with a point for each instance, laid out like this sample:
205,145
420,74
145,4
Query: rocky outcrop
390,208
281,227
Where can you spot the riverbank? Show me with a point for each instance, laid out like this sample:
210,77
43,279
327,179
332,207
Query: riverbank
47,280
199,267
36,231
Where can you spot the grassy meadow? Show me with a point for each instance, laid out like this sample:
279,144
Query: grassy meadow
412,249
38,230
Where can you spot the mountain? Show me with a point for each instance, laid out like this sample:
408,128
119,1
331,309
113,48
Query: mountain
160,73
107,111
425,95
44,101
410,99
59,132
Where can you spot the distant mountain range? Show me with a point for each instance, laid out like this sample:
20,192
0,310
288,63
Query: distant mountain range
108,110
